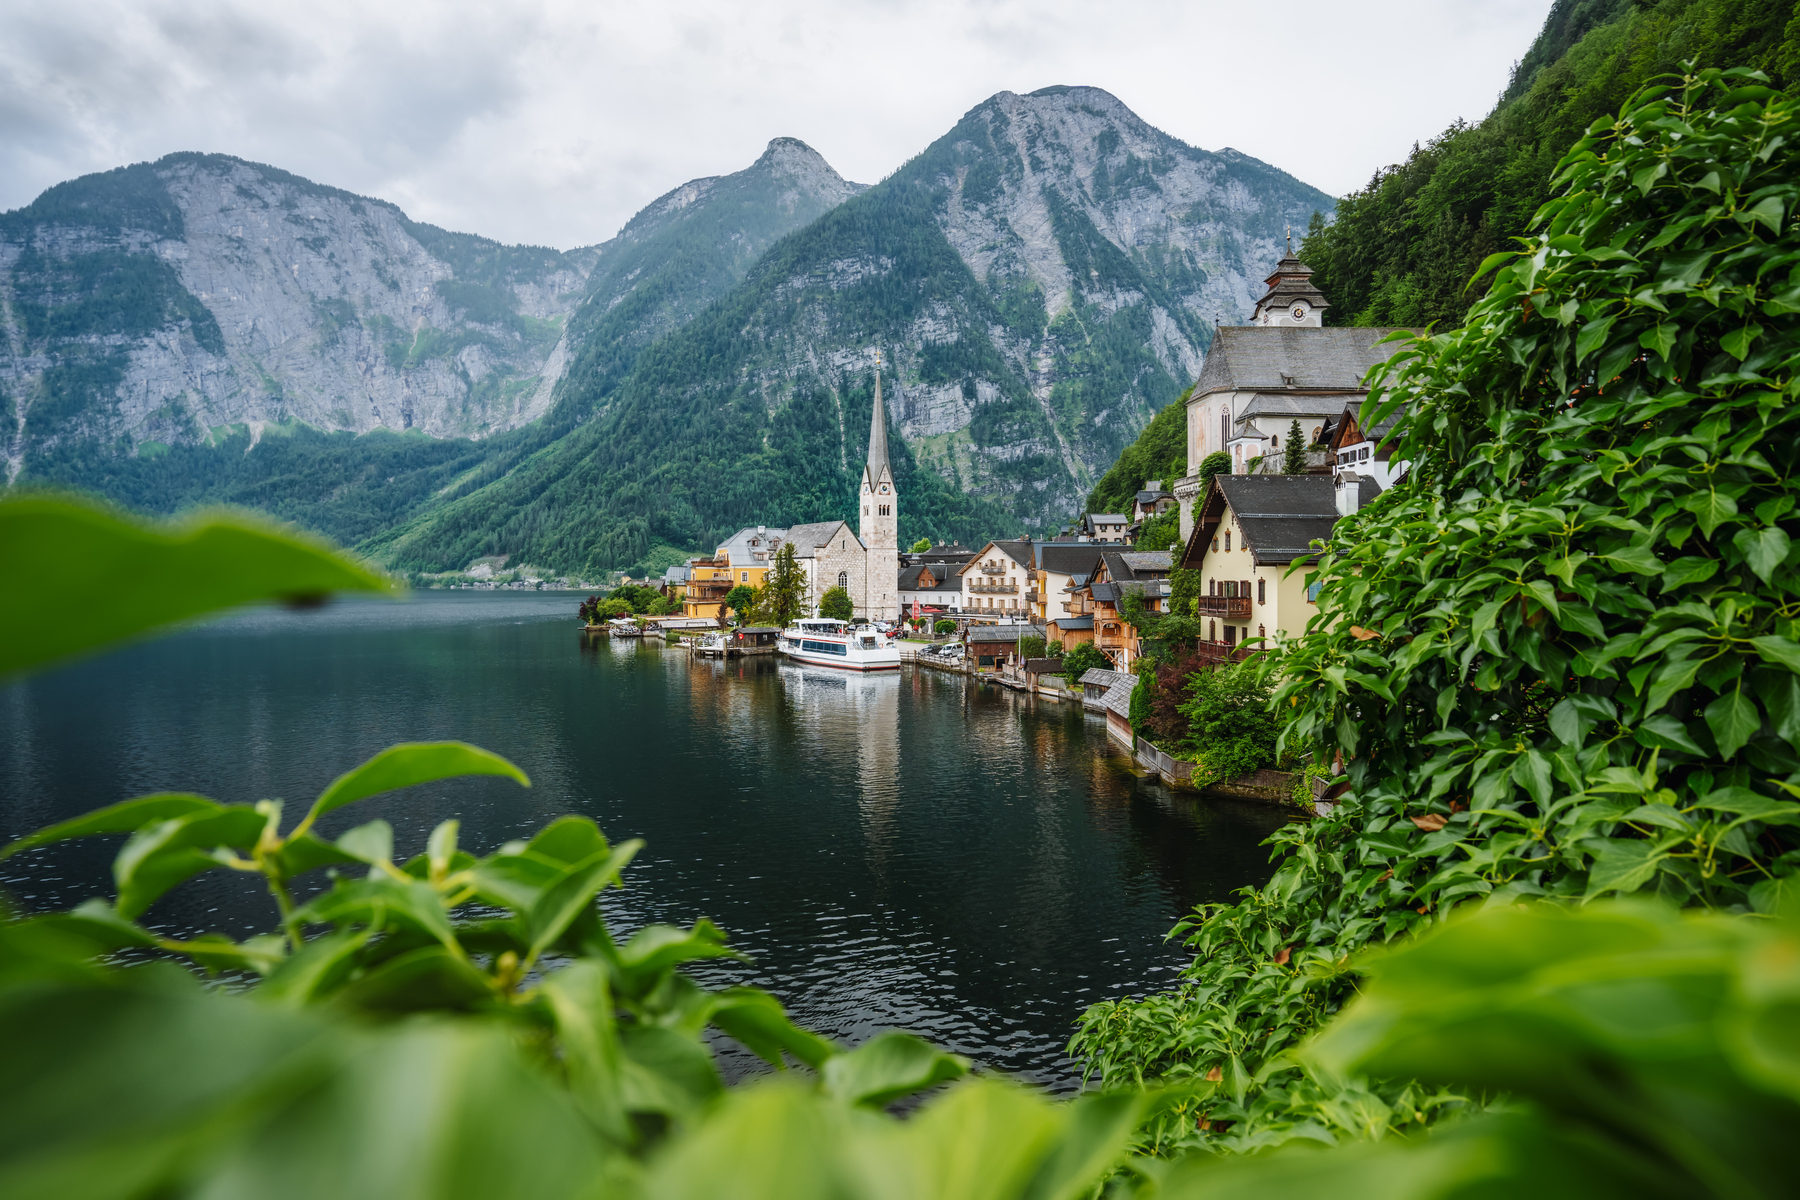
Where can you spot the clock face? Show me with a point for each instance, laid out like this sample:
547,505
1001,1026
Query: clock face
884,489
1299,312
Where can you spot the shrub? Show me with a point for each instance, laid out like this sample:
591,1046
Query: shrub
1230,730
944,625
1562,659
1083,658
1031,646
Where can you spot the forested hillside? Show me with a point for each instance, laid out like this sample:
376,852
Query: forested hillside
1402,249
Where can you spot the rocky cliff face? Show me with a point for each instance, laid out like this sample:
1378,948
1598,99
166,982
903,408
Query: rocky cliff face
169,302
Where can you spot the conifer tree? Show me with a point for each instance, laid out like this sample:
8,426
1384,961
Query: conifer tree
1293,455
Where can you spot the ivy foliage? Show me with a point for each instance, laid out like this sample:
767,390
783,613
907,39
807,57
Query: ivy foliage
1561,659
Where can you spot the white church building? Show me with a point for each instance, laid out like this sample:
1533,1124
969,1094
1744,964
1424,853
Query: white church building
1258,379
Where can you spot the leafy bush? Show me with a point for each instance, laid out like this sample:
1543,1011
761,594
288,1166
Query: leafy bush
944,625
637,597
1230,730
740,600
1054,649
1161,532
1562,660
1031,646
1082,659
836,604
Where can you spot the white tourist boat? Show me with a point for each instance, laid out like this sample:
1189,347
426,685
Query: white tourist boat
826,643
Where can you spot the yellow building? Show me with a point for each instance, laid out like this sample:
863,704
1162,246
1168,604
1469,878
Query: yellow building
709,581
1249,530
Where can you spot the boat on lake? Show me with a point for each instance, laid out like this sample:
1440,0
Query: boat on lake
826,643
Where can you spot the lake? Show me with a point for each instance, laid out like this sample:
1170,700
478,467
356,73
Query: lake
910,850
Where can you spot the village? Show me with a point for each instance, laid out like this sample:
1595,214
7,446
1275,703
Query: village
1073,617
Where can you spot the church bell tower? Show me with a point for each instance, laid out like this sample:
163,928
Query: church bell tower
880,528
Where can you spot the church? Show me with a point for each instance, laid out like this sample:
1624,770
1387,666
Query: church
866,562
1258,379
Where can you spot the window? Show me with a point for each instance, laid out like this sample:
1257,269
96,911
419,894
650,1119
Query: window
884,511
844,580
1212,587
1228,541
746,577
1274,441
1262,591
1224,427
1312,592
1212,631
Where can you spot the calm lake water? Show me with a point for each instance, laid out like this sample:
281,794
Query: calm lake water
906,850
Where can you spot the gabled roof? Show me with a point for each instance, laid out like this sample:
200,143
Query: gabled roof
1108,518
1296,405
1146,562
1280,516
1263,357
1085,621
808,538
1066,558
1105,677
1019,551
1106,592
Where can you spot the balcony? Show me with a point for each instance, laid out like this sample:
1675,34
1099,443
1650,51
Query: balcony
996,588
1225,606
1218,653
993,570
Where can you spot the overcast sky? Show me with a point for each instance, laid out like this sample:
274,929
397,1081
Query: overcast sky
552,122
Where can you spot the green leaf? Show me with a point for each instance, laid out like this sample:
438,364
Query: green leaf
407,765
159,856
127,816
1099,1128
1764,549
588,1037
567,898
316,970
655,950
429,979
1766,212
1592,337
1659,339
372,843
1737,342
1711,509
1733,720
1666,732
1779,651
216,952
888,1067
1637,558
1623,865
757,1019
1684,571
98,579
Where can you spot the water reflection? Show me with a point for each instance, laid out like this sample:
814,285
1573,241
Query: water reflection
907,849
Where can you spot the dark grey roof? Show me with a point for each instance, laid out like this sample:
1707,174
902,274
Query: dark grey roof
1105,677
1153,497
1108,592
1019,550
1291,280
1067,558
1281,514
808,538
1003,633
1118,696
1256,357
1148,562
1086,621
1297,405
877,470
1109,518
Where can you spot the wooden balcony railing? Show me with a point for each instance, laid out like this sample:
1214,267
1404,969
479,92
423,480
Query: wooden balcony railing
1007,588
1226,606
1217,653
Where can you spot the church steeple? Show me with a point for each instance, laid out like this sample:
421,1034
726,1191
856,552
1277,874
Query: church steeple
877,471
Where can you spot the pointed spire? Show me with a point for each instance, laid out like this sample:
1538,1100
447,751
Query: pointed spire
877,468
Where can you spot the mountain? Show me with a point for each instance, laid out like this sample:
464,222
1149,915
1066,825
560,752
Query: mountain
137,303
181,300
1042,279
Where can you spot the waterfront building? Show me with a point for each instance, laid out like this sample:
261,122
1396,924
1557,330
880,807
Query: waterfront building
930,589
1250,532
1055,565
998,581
750,552
995,645
708,582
